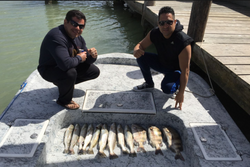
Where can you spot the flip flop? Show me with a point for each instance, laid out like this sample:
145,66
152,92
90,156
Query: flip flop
66,105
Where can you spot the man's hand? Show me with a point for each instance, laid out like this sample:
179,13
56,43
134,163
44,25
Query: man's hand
93,52
141,46
138,53
179,98
83,55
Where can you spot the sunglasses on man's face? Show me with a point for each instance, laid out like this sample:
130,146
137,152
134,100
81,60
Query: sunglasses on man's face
75,24
169,22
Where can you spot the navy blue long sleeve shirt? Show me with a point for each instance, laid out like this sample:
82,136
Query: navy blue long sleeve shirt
57,50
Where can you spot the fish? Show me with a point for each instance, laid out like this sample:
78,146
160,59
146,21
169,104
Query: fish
121,139
67,138
129,141
173,141
140,137
103,140
82,137
87,139
95,138
74,139
112,141
155,139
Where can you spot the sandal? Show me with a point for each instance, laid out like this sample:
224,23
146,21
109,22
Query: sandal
71,106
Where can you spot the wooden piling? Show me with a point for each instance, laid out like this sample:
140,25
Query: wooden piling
198,19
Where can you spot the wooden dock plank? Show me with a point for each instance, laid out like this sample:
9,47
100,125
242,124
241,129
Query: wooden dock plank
246,78
234,60
226,49
240,69
226,38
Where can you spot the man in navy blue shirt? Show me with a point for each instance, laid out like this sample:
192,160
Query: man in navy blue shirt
172,59
65,60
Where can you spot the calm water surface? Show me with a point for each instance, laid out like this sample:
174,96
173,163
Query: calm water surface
25,23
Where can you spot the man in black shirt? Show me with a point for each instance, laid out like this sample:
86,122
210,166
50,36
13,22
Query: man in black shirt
65,60
172,59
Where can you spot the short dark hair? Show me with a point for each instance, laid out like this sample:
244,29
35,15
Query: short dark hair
166,9
75,13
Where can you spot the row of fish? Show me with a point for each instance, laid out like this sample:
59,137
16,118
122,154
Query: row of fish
137,135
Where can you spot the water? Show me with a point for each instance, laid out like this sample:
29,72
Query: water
24,24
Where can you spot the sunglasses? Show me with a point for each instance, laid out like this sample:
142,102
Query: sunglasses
75,24
169,22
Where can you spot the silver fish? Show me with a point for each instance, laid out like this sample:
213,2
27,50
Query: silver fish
82,137
95,138
174,141
103,140
87,138
67,138
74,139
112,141
129,140
140,137
155,139
121,139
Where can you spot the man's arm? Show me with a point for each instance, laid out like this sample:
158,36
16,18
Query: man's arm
184,63
142,46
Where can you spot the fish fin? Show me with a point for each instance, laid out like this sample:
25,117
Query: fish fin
113,156
141,149
179,156
133,154
90,151
158,151
102,154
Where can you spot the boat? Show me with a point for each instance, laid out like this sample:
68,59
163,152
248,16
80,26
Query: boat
33,125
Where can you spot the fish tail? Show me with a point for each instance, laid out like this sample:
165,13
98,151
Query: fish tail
102,154
71,151
158,151
141,149
90,151
80,151
84,152
113,156
179,156
132,154
125,152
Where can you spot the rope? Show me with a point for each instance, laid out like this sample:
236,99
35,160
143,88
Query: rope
7,108
212,88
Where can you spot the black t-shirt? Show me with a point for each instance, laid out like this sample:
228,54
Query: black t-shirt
169,49
58,50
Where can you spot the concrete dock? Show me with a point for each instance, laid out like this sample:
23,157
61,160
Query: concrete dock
225,48
32,129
